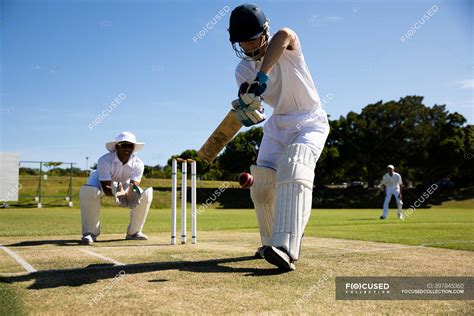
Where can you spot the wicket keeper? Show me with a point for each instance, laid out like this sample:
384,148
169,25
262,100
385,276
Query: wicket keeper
118,175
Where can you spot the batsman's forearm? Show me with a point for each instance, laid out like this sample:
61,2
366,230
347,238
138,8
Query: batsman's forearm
277,46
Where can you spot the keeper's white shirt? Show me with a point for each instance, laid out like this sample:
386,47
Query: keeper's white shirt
392,182
290,87
110,168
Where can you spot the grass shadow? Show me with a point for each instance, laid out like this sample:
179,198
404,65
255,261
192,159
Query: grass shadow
76,242
77,277
57,242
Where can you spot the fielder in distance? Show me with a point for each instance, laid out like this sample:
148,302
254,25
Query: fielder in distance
392,184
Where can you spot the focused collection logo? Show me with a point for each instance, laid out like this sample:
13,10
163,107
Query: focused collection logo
367,288
404,288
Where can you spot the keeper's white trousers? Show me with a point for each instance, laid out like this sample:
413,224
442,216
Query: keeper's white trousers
305,127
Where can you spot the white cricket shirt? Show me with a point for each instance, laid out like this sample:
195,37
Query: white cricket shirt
110,168
393,181
290,87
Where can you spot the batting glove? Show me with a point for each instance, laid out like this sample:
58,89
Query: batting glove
247,116
250,92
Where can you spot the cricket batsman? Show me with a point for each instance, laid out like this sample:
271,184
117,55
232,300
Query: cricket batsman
392,182
118,175
273,69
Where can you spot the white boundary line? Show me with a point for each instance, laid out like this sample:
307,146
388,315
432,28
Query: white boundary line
117,263
28,267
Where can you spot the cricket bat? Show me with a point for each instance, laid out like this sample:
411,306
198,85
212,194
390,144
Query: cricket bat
221,136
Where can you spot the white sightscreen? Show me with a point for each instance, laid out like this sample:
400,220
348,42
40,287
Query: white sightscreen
9,176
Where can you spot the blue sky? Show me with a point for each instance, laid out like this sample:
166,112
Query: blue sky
64,62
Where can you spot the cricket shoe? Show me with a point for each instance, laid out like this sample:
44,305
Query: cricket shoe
279,258
88,239
382,217
259,253
400,216
137,236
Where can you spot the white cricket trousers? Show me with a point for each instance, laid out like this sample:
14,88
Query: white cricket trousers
309,127
388,196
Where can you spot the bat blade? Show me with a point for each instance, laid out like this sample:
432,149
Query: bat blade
221,136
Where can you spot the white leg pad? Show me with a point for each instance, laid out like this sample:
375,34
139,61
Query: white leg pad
294,191
139,213
89,198
262,193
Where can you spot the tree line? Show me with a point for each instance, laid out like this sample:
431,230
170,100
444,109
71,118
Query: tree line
426,144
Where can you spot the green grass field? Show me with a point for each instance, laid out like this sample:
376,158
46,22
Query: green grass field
10,302
451,228
217,269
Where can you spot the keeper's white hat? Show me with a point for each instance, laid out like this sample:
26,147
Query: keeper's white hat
124,137
391,167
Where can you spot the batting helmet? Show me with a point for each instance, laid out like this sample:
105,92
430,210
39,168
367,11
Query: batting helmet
247,22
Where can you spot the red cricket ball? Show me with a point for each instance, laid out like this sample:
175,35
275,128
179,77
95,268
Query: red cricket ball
245,180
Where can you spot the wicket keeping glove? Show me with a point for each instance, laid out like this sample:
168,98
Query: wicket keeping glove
134,194
119,194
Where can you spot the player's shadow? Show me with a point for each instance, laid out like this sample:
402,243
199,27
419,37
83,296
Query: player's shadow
57,242
93,273
73,242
